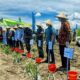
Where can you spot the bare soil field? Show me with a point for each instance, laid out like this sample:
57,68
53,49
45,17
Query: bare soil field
10,70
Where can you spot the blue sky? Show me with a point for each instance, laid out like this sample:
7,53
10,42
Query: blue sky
49,8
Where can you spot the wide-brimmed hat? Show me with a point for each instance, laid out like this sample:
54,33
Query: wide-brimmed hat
48,22
11,29
4,29
8,27
38,24
26,26
15,27
61,15
20,26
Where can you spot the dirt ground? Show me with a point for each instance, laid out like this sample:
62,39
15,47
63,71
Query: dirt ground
16,71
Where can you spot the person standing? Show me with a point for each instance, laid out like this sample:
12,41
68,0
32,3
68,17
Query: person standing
74,34
27,38
64,39
57,33
4,36
14,42
13,36
18,37
21,34
1,36
39,36
50,37
8,35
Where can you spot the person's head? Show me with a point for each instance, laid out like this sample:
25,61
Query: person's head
26,27
62,17
15,27
12,29
8,27
4,29
48,23
20,26
39,25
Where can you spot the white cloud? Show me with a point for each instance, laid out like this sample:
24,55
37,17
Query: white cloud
38,14
41,4
15,6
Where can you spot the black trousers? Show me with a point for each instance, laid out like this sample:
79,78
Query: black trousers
18,44
40,49
13,43
63,59
1,39
50,55
27,43
9,42
57,37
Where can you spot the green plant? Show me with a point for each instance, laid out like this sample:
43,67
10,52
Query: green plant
31,69
16,57
34,52
6,49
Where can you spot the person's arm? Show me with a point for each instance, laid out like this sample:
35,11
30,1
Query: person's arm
54,36
67,27
44,37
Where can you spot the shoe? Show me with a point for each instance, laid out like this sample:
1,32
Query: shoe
52,62
60,68
45,61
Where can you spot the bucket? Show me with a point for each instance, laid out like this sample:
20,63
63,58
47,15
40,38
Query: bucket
16,49
28,55
52,68
20,51
72,75
38,60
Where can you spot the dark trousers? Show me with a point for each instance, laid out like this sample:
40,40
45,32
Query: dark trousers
18,44
50,55
1,39
40,49
63,59
57,37
27,43
28,47
13,43
9,42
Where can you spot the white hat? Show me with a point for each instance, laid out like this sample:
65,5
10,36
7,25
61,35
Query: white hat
48,22
15,27
61,15
38,24
20,26
4,29
12,29
8,27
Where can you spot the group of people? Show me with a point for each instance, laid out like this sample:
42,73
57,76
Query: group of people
63,38
16,36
